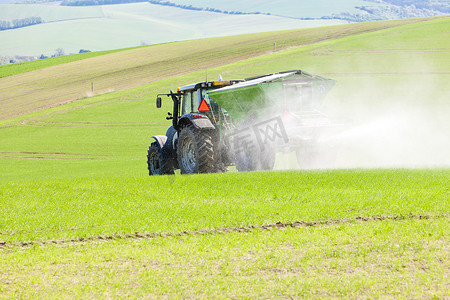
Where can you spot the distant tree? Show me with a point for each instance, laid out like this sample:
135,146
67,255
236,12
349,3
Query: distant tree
4,25
84,51
43,56
59,52
96,2
17,23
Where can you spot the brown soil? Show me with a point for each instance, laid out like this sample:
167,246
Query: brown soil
47,156
278,225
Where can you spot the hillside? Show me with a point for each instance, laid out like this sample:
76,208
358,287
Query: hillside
144,65
109,27
44,29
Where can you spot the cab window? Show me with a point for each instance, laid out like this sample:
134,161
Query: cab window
195,101
190,102
187,103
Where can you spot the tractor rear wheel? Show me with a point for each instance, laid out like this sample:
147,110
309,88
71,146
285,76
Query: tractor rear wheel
267,158
246,161
255,160
195,151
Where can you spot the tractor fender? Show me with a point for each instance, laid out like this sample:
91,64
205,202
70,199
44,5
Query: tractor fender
160,140
172,137
175,141
166,160
199,123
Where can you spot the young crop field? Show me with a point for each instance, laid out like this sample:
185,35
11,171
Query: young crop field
49,13
80,217
286,234
323,233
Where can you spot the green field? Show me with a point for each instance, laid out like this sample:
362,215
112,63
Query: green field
49,13
80,217
361,234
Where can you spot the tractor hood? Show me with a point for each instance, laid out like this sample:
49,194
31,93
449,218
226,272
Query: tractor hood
272,91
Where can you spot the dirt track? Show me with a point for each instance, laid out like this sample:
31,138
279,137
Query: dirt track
278,225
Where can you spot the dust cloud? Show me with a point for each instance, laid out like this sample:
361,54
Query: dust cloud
380,121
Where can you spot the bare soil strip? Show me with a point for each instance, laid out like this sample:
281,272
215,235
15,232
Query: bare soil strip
278,225
46,153
48,156
91,124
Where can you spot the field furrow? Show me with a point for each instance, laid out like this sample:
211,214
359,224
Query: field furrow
278,225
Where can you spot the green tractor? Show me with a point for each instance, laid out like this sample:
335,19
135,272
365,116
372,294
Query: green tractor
217,124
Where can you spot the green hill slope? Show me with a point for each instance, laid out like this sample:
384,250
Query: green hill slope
118,71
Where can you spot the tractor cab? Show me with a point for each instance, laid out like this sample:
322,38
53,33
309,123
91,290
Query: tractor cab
194,98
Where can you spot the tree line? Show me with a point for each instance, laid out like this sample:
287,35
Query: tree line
393,9
436,5
97,2
159,2
390,12
4,60
18,23
190,7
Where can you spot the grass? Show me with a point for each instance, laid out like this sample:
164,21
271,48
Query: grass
398,259
65,209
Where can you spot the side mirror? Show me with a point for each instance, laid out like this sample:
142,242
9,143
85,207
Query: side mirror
158,102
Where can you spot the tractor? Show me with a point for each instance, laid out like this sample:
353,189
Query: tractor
217,124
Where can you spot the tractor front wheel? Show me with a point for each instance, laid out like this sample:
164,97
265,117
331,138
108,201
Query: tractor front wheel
195,151
154,159
157,165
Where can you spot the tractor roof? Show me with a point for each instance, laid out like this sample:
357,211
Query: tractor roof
300,76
